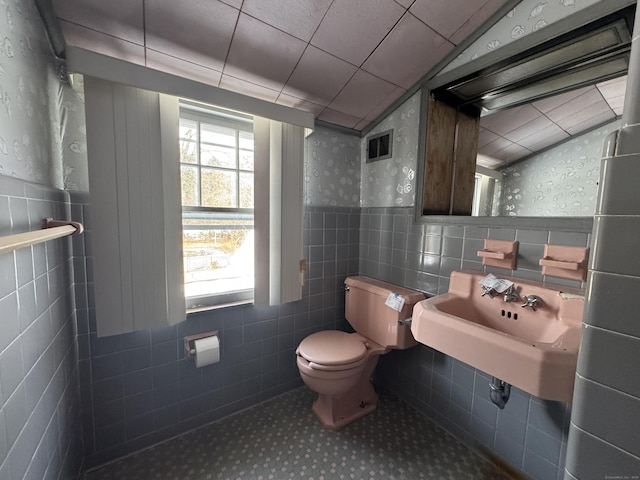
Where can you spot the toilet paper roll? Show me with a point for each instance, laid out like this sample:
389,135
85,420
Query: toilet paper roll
207,351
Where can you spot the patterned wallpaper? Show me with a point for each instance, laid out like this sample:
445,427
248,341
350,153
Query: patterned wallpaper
332,169
561,181
26,70
527,17
74,139
35,106
392,182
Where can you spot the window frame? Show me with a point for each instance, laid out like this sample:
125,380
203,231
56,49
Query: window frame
205,114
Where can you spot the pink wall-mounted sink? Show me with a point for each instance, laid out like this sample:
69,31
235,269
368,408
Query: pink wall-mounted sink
535,351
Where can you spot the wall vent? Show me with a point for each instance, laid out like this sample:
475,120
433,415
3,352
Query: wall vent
380,146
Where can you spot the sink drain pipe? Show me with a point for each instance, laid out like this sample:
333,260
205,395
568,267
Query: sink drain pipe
499,392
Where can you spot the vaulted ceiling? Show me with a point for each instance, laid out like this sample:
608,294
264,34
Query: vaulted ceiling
512,134
346,61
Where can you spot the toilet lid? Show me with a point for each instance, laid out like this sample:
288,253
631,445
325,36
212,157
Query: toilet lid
332,347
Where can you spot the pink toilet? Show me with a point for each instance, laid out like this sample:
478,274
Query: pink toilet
338,365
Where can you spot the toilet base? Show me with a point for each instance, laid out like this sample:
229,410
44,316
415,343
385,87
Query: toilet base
336,411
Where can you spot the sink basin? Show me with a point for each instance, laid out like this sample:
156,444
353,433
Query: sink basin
535,351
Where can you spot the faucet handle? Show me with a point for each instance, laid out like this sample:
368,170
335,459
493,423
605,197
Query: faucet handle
488,291
532,301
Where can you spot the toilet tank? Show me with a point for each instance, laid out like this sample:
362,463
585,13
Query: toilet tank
366,311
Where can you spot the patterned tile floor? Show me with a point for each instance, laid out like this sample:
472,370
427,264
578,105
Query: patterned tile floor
282,439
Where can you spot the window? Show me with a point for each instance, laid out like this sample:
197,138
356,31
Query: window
217,170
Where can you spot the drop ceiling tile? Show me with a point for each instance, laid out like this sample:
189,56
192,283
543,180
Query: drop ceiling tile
198,31
488,162
544,137
616,104
298,103
352,29
234,3
613,92
362,124
119,18
384,104
444,17
182,68
485,137
300,19
362,94
476,20
247,88
547,104
505,121
567,119
591,120
511,153
395,58
495,146
529,128
318,77
339,118
262,54
78,36
592,97
617,86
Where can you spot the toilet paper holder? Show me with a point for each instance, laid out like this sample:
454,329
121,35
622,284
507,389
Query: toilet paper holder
189,343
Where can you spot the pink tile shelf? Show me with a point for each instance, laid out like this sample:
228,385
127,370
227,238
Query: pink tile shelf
499,253
565,262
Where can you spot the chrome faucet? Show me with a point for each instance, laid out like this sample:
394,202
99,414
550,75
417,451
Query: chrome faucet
488,291
532,301
511,295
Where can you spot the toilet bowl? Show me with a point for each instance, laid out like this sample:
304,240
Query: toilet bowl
338,365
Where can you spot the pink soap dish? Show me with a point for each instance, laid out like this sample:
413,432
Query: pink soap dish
565,262
499,253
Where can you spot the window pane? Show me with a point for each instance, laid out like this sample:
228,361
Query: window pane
218,156
218,135
188,151
218,256
246,190
246,139
219,188
189,178
188,129
246,160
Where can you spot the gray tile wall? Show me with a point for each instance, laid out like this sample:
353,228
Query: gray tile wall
39,388
606,417
137,388
530,434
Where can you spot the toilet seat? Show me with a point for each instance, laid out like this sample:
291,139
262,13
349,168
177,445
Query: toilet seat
333,350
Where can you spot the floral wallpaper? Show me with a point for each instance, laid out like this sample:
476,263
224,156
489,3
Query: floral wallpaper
26,70
332,169
34,100
561,181
392,182
74,138
527,17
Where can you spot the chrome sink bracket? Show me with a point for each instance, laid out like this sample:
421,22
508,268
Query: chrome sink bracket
532,301
499,392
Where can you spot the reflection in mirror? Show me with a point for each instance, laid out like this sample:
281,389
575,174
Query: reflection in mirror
543,158
547,107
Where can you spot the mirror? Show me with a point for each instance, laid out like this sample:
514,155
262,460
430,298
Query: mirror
544,116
